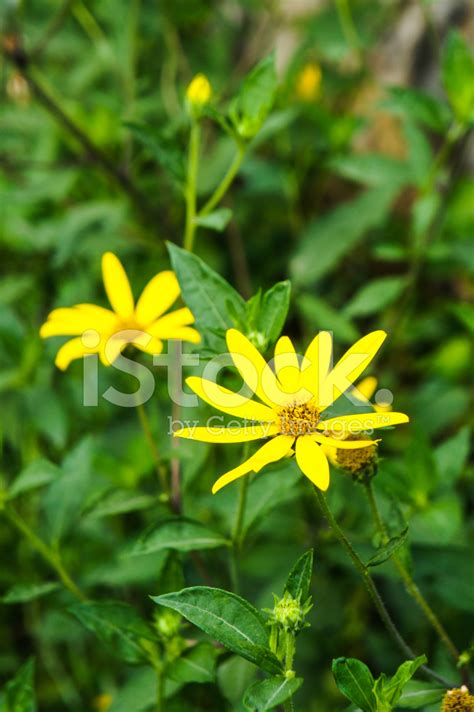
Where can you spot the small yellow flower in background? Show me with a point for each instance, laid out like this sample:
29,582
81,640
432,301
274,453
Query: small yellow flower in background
458,700
199,91
292,400
308,82
102,703
107,332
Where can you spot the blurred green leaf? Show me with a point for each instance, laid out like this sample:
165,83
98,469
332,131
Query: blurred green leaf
18,695
268,694
419,106
371,169
255,99
418,694
118,626
388,549
181,535
451,456
375,296
328,239
117,501
196,665
228,618
323,317
217,220
24,592
37,474
457,72
138,693
355,681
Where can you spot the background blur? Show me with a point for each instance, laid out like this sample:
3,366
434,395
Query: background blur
355,189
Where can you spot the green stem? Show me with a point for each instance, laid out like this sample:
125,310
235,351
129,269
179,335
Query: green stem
191,183
146,427
49,555
405,575
370,586
348,27
225,183
160,689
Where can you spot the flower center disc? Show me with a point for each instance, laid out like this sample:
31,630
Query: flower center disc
355,460
298,419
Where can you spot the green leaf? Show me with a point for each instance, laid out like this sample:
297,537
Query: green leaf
217,220
457,71
323,317
65,496
451,457
117,501
208,296
328,239
255,99
298,583
178,534
420,107
375,296
18,695
196,665
392,689
268,694
228,618
163,149
274,310
388,549
36,474
418,694
371,169
355,681
118,626
24,592
138,693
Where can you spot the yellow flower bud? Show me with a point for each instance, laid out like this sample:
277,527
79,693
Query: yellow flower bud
199,91
308,82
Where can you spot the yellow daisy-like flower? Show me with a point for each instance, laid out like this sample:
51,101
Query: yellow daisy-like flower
292,400
108,331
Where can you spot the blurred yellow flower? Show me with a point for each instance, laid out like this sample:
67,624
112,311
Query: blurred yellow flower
308,82
106,332
102,703
292,400
199,91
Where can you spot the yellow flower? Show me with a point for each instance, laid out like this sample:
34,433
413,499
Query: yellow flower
106,332
102,703
199,91
292,401
308,82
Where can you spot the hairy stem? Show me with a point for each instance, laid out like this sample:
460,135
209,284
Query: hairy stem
371,587
405,575
49,555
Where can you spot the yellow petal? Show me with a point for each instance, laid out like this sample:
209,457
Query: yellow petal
316,363
117,286
71,350
349,367
276,449
286,365
228,402
350,424
159,294
168,323
341,444
185,333
253,368
366,388
312,462
215,433
76,320
111,348
153,346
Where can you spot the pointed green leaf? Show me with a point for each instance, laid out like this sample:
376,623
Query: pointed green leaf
118,626
268,694
355,681
255,99
24,592
228,618
298,582
18,695
386,551
393,688
457,72
178,534
418,694
36,474
274,310
196,665
217,220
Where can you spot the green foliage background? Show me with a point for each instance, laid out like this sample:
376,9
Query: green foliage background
360,196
